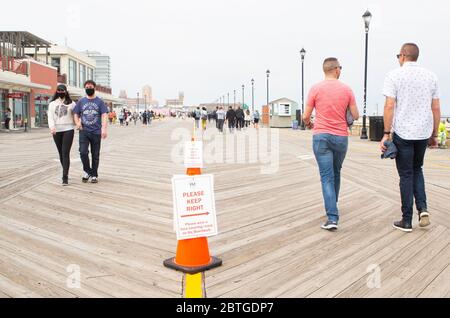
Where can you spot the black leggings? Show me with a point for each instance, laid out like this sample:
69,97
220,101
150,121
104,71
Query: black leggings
63,141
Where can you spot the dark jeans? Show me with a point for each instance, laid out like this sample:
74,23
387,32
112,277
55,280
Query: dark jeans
330,152
411,154
240,122
7,121
231,124
64,141
220,123
94,141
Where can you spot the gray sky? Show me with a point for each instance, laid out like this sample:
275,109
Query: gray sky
207,48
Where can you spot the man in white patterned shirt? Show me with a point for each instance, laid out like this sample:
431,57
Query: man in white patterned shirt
411,116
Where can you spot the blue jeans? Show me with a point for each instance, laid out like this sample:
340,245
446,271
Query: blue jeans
409,161
330,152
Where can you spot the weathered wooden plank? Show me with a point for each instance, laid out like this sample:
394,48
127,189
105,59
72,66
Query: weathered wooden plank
120,231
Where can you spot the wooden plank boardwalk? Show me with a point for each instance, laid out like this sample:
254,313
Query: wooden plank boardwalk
119,231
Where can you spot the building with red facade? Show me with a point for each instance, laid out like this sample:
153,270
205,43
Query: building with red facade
30,70
25,84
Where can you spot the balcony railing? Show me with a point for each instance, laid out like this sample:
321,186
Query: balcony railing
11,64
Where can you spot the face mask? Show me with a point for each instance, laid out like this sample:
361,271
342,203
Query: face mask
61,95
90,91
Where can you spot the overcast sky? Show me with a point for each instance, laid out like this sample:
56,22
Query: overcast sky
208,48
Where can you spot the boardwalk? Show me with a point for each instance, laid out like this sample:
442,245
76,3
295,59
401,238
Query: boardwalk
120,231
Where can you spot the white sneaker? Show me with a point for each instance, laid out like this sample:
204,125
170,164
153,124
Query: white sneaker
94,180
86,177
424,219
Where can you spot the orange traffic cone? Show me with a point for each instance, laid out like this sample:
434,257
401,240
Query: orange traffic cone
193,255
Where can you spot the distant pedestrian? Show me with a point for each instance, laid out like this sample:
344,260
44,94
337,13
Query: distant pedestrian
121,117
150,117
204,118
330,99
240,118
129,118
125,117
215,116
231,119
443,135
62,125
256,118
412,112
220,115
114,117
197,114
111,117
7,118
91,119
247,118
144,118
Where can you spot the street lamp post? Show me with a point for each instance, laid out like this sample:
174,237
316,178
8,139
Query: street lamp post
243,96
302,54
253,95
228,100
234,101
367,18
268,75
137,103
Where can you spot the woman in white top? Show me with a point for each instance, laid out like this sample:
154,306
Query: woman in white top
61,124
204,118
247,118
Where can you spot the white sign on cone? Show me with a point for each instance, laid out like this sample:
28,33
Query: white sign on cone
193,154
194,206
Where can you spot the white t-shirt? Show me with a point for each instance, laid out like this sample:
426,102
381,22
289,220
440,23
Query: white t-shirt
414,89
221,114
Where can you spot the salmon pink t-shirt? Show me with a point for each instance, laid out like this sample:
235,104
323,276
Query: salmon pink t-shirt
330,99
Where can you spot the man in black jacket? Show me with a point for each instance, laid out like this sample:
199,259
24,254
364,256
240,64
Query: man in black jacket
231,119
240,118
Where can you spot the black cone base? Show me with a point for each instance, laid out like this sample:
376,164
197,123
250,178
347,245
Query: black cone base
170,263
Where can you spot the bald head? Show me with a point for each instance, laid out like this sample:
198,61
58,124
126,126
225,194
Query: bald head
330,65
410,51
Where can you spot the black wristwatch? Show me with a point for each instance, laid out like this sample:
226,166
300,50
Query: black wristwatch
387,132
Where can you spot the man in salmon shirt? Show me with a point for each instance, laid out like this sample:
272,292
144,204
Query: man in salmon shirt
330,99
